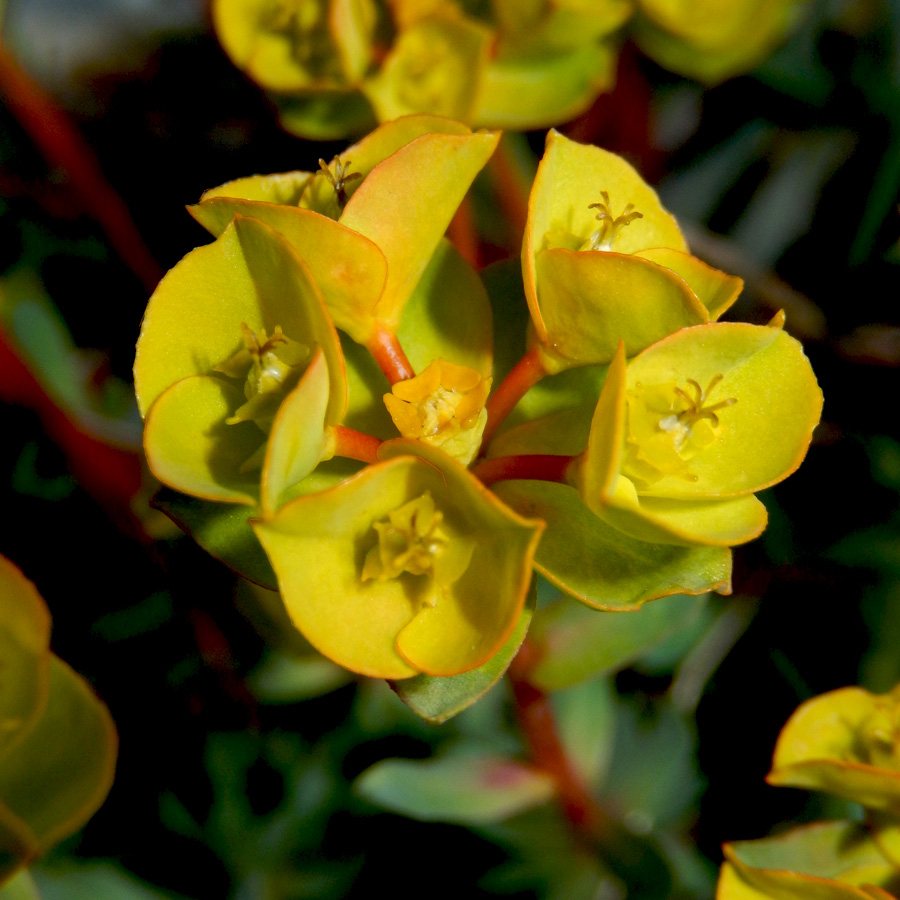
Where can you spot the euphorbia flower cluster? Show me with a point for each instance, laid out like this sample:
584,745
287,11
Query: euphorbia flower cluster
338,66
405,476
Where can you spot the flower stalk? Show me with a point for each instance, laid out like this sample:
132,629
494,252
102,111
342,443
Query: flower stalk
353,444
526,373
390,356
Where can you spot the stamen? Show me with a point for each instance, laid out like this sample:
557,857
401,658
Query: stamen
610,226
683,422
341,177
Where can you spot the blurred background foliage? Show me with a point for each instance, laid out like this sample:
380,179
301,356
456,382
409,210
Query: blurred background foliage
246,762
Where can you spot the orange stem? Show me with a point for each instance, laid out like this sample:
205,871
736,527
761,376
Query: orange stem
533,466
526,373
386,349
63,147
354,444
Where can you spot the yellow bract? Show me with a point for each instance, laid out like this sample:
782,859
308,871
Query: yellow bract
57,741
410,566
604,262
846,742
228,336
684,436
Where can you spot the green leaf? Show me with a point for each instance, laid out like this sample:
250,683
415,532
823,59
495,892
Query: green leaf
69,880
68,374
581,643
222,530
288,679
503,282
467,789
438,699
660,740
604,567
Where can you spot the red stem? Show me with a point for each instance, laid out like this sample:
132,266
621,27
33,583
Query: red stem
538,726
386,349
526,373
355,444
534,466
63,147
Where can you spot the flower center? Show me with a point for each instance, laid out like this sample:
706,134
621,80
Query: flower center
326,191
667,427
610,226
681,424
270,366
339,179
413,541
443,406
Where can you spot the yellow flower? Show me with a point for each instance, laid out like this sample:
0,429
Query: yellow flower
443,406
